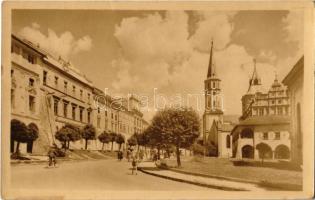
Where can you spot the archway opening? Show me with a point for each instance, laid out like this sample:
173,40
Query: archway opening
247,151
282,152
264,151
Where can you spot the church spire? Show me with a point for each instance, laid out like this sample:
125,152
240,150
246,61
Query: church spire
211,71
255,80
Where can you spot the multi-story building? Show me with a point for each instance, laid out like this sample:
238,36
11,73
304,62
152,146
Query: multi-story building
294,81
257,102
263,130
49,92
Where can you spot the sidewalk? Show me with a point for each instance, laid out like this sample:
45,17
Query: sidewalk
152,169
73,156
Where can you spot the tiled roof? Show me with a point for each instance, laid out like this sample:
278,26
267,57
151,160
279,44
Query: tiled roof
233,119
225,127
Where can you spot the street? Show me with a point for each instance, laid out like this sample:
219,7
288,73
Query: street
91,175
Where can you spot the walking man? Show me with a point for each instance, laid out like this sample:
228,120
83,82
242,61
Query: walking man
134,165
52,157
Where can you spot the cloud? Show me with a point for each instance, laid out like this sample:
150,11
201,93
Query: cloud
215,25
162,52
64,45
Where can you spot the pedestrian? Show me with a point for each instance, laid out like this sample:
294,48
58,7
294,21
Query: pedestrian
128,155
120,155
141,154
52,157
134,165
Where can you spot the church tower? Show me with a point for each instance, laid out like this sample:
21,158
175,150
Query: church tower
213,99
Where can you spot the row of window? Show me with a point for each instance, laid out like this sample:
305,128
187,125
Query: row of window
266,136
73,110
65,86
259,101
275,111
215,84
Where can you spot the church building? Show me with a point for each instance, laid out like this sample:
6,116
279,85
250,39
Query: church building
216,126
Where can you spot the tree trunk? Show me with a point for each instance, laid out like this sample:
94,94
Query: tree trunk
119,146
17,148
103,146
158,152
86,141
65,145
68,144
112,146
178,156
145,151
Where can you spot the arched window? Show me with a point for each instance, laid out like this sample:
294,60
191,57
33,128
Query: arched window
228,141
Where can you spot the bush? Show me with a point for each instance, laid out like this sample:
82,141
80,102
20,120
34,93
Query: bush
198,149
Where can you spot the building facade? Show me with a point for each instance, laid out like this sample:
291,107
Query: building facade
257,102
49,92
294,80
262,137
263,131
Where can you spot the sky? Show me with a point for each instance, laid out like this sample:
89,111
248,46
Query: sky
166,53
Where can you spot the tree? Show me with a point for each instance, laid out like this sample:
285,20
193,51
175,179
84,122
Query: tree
104,138
112,138
62,136
120,139
143,138
74,135
88,133
132,141
21,133
33,133
179,127
68,133
155,138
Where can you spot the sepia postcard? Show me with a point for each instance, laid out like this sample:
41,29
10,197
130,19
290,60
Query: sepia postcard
157,100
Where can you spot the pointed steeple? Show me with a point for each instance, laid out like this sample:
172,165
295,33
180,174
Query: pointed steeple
210,67
255,80
275,82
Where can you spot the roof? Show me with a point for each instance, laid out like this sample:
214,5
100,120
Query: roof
211,67
60,64
297,69
232,119
225,127
266,120
69,70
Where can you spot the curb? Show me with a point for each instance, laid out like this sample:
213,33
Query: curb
192,182
267,185
215,176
